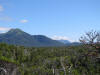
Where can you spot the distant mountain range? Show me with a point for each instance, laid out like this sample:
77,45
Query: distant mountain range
64,41
68,43
19,37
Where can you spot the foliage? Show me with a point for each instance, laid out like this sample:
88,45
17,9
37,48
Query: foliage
72,60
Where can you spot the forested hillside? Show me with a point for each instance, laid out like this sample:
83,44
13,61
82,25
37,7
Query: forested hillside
72,60
21,38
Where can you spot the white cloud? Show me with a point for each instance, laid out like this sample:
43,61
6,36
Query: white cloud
4,29
62,38
1,8
24,21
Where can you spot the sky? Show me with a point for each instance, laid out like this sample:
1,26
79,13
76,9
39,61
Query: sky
58,19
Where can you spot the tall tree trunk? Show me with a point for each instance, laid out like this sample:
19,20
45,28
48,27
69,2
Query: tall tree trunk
62,64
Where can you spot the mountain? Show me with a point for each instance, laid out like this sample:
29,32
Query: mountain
68,43
64,41
19,37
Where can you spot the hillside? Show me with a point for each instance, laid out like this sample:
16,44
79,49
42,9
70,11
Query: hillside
19,37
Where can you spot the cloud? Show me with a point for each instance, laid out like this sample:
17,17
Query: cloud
62,38
4,29
24,21
4,17
1,8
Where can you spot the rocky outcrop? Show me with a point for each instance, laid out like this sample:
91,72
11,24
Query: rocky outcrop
8,68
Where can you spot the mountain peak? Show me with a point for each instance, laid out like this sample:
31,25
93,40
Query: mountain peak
19,37
15,30
18,31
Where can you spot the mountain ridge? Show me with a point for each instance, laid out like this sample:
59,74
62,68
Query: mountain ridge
19,37
69,43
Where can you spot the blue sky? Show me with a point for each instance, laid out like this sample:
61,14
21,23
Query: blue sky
67,19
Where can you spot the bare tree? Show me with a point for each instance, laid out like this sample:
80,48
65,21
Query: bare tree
91,39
